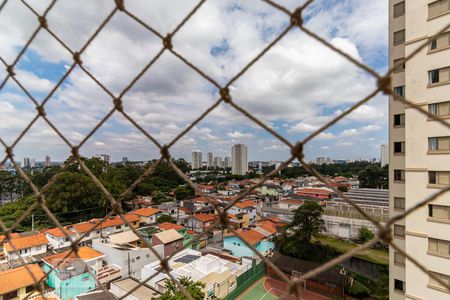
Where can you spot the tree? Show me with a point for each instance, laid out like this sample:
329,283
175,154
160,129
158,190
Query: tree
159,197
374,176
182,192
365,234
165,218
193,288
307,221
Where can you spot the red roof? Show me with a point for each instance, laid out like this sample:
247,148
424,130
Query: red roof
58,232
168,225
204,217
205,187
268,226
109,222
146,211
20,277
85,253
245,204
314,191
251,236
26,242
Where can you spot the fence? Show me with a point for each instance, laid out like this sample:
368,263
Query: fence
294,21
246,279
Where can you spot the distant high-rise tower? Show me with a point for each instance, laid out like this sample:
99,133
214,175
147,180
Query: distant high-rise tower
239,159
210,161
32,163
227,162
196,160
48,161
384,155
26,162
218,162
124,160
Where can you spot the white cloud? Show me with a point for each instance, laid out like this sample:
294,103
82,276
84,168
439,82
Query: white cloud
239,135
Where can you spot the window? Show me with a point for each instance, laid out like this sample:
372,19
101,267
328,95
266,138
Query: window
399,37
399,9
118,227
439,177
399,119
439,143
439,42
399,259
399,285
439,212
439,75
439,246
400,90
399,175
399,147
399,65
438,8
138,257
439,109
399,230
29,289
399,203
443,277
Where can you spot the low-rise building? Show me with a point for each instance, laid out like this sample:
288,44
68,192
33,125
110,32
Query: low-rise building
147,215
256,237
170,239
73,273
59,238
25,246
315,193
218,275
246,206
127,286
18,283
290,204
200,222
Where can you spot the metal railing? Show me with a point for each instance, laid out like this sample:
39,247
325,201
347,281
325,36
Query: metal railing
295,21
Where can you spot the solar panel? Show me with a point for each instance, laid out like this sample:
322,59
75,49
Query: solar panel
188,258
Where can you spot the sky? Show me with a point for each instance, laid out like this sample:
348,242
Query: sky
295,88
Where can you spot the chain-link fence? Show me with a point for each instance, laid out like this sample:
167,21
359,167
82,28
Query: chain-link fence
295,22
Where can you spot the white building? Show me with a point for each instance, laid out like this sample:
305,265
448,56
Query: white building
227,162
57,238
384,155
26,162
48,161
218,162
210,160
419,159
25,246
239,159
196,160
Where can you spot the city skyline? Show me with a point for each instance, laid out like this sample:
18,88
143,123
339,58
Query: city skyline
72,110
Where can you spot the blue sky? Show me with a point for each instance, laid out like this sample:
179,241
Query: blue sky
295,88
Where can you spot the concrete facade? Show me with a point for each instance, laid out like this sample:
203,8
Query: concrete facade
418,166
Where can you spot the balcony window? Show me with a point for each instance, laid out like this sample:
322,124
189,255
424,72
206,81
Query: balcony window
440,247
399,175
399,37
399,9
440,212
445,278
399,147
399,285
399,259
399,203
439,109
399,65
399,230
399,119
400,90
438,8
436,144
441,75
439,177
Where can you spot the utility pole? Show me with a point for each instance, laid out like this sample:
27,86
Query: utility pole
32,221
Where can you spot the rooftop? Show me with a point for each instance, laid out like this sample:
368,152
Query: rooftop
146,211
204,217
57,232
143,292
26,242
168,225
168,236
125,237
85,253
14,279
245,203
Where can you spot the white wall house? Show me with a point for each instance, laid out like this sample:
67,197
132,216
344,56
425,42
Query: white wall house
25,246
57,239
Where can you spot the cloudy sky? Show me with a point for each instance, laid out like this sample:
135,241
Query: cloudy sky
295,88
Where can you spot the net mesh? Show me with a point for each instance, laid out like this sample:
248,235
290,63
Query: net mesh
295,21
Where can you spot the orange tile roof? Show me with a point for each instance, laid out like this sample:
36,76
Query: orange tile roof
168,225
251,236
204,217
146,211
85,253
205,187
268,226
245,204
314,191
191,232
26,242
17,278
110,222
58,232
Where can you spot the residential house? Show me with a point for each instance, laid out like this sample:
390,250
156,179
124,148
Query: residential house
96,228
255,237
187,237
73,273
200,222
207,189
18,283
246,206
147,215
197,205
25,246
290,204
58,238
218,275
239,220
123,250
171,239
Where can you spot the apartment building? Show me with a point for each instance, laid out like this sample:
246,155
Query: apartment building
239,159
196,160
419,147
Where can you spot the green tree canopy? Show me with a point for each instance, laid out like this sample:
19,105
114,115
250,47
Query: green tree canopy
374,176
193,288
165,218
307,221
